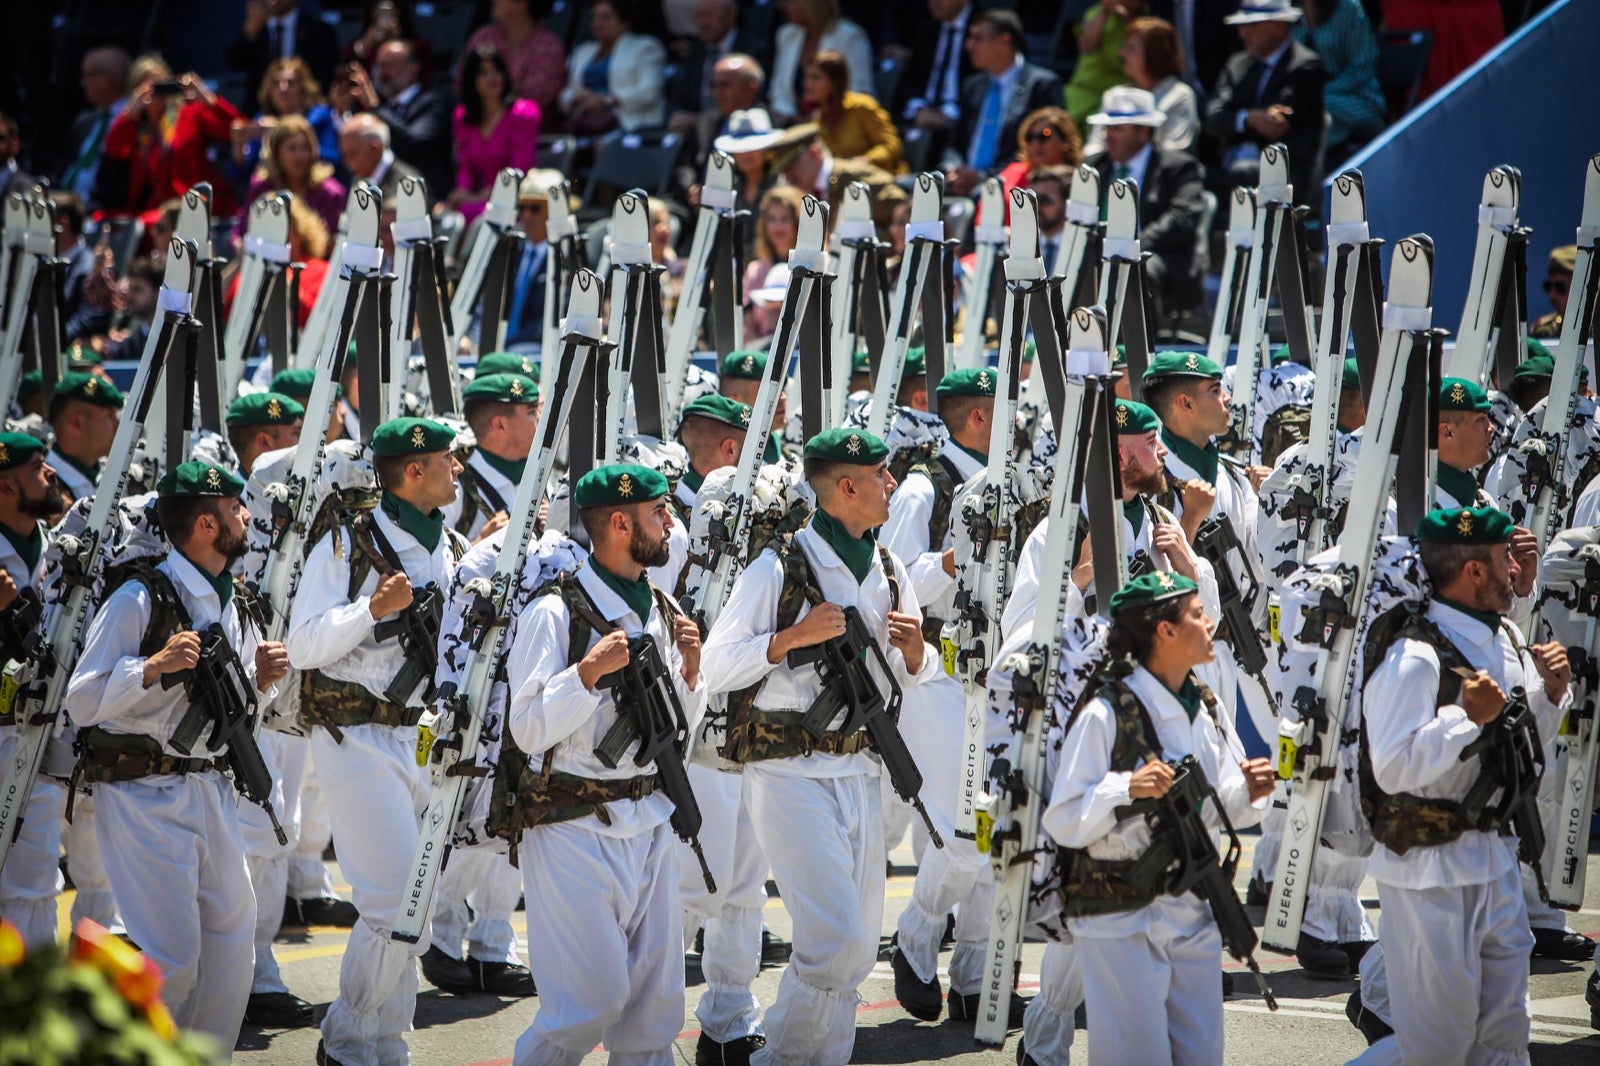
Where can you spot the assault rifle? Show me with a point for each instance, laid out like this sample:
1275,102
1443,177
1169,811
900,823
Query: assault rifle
222,695
1506,793
417,628
1215,540
1183,857
649,712
848,689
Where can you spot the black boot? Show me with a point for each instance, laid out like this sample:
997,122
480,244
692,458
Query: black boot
1322,959
1592,994
965,1008
1372,1027
707,1052
501,978
278,1010
923,1000
1562,945
447,972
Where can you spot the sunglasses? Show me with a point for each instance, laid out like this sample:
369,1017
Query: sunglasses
1556,285
1040,136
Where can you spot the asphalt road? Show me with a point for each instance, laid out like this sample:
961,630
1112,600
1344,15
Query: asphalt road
1309,1027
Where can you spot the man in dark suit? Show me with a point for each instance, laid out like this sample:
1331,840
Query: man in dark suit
717,34
1171,193
275,29
103,74
12,177
525,313
1269,93
1207,40
936,68
364,148
81,317
995,100
418,118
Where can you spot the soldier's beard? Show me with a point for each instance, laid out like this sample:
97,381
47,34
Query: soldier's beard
647,552
231,546
1151,482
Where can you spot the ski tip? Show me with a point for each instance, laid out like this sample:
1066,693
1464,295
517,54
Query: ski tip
1350,183
927,199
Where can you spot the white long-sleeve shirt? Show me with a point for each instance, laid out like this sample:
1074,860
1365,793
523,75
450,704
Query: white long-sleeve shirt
497,481
907,531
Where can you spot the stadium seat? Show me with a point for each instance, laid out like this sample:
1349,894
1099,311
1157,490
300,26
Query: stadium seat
629,161
1402,59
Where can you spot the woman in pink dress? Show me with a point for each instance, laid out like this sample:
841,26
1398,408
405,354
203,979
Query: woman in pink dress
538,62
493,130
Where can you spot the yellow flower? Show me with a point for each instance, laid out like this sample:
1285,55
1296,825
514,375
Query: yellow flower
12,949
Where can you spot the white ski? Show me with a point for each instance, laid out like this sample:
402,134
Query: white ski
923,254
983,296
1497,222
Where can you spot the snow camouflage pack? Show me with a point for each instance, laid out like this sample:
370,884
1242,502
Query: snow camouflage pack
552,556
1564,578
1580,465
667,457
912,436
1286,384
1398,579
1276,531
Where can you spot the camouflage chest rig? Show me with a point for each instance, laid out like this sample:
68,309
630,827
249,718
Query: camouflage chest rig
525,795
755,735
478,499
941,473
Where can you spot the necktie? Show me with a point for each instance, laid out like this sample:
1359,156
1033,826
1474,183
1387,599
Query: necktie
1047,252
519,293
274,40
1262,73
983,152
1123,172
938,90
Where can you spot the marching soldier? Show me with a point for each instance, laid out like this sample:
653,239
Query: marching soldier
503,411
1466,439
83,415
364,735
740,380
605,932
168,819
262,422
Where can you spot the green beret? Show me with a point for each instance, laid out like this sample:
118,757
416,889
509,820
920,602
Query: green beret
842,445
90,388
968,381
1459,394
18,448
502,388
505,363
1535,366
861,362
1030,348
1280,354
264,409
1352,375
32,382
1564,259
1536,347
1134,417
1181,364
1151,588
719,408
80,356
916,363
1119,357
296,383
745,365
619,483
199,479
411,436
1465,525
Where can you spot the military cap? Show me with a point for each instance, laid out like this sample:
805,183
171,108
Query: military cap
619,483
199,479
1280,354
1535,366
1459,394
843,445
1181,365
1563,259
1134,417
80,356
32,382
719,408
1030,348
1465,525
1352,375
18,448
264,409
411,436
968,381
502,388
916,363
296,383
90,388
504,363
745,365
861,362
1119,357
1154,587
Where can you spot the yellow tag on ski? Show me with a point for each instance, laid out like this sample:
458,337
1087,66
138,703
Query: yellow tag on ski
985,828
947,655
8,694
425,740
1286,753
1272,622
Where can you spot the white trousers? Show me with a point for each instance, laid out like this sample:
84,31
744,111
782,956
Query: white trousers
474,901
172,849
308,873
376,794
86,866
30,881
268,860
605,943
731,956
1456,967
1153,1000
1047,1024
824,838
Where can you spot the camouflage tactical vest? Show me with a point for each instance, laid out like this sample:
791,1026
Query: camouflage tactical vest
753,736
1288,425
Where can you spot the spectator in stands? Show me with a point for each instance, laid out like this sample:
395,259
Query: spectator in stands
1050,186
158,234
691,92
160,145
525,316
777,229
1557,286
292,162
1100,36
807,164
418,118
1269,93
748,139
1206,38
815,26
1171,193
1152,59
995,100
537,60
935,70
1340,32
310,243
493,130
103,75
617,79
851,125
1047,138
663,237
141,286
385,21
79,316
736,83
1463,31
288,88
364,147
12,177
278,29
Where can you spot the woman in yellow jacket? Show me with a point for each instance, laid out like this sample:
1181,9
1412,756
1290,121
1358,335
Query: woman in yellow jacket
850,125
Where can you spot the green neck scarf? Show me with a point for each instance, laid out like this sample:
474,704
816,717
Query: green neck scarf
981,457
223,582
1133,511
1488,618
856,552
1188,696
510,469
91,472
1458,483
29,545
774,453
636,594
1202,461
694,479
427,528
